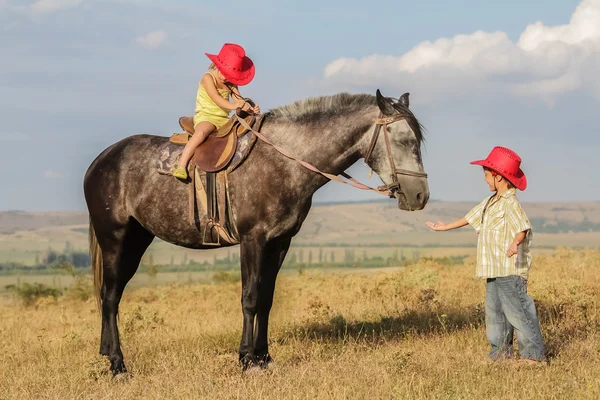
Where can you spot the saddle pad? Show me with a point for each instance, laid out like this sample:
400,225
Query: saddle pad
168,157
244,146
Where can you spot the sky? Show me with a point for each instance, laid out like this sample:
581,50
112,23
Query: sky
79,75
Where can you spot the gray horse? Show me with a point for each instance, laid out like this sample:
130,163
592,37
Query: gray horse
130,203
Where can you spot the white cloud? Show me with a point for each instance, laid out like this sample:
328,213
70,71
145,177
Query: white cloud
152,40
45,6
544,62
50,174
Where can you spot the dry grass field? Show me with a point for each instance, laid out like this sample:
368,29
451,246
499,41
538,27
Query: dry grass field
416,332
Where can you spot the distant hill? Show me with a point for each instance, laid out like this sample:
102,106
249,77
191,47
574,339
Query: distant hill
13,221
545,217
376,217
376,228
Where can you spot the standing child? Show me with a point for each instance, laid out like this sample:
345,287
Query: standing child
229,69
503,258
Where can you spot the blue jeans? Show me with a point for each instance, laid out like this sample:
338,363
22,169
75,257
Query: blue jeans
508,307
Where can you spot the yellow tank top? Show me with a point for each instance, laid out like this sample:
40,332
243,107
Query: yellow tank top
205,105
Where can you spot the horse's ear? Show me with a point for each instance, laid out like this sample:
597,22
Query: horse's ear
404,100
384,104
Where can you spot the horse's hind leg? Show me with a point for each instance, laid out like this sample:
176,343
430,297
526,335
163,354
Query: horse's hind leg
121,258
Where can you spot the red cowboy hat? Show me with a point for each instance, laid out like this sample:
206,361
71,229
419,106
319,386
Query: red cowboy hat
233,64
506,163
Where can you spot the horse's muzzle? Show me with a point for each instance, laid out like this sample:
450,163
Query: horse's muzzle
411,198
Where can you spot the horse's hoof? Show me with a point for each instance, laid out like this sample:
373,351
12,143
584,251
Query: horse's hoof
122,377
265,361
270,366
248,361
118,368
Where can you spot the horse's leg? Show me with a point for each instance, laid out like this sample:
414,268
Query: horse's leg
252,253
121,259
273,260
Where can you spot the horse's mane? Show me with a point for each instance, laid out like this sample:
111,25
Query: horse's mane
317,107
314,109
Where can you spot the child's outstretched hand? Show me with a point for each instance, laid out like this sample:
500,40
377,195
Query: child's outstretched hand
440,226
256,109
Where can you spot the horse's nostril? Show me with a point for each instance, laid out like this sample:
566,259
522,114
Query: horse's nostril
419,196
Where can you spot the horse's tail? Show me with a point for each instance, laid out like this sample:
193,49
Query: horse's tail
97,267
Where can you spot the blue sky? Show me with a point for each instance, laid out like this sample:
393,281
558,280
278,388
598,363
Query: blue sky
79,75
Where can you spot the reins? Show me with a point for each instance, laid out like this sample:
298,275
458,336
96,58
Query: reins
385,190
350,180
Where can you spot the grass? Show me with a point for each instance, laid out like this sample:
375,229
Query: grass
416,332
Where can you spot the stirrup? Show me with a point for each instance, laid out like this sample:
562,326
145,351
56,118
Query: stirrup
212,225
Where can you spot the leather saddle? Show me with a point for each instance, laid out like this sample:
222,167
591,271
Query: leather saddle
218,149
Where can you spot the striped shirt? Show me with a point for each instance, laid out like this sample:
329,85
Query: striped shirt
498,222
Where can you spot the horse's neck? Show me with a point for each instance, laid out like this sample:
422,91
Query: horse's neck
331,145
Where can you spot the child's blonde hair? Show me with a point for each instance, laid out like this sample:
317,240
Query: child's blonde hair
212,67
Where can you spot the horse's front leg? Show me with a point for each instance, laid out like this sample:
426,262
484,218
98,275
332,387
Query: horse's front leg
276,251
252,252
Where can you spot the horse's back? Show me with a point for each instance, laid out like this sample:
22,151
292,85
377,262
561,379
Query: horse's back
120,167
138,144
124,183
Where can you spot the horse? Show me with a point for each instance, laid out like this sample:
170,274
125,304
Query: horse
130,204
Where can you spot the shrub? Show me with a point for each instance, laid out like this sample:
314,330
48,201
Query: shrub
30,293
226,277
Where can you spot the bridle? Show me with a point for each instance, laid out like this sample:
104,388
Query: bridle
383,122
387,190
